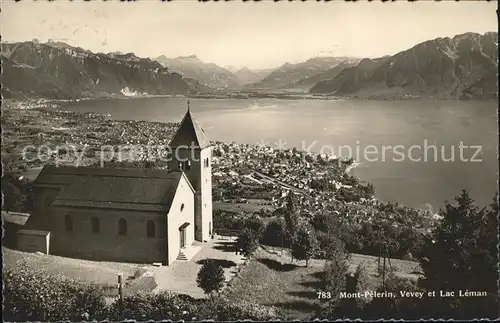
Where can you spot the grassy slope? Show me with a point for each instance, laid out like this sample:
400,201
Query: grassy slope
271,279
102,273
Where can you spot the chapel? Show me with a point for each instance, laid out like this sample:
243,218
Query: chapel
120,214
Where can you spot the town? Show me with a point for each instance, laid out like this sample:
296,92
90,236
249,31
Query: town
255,187
246,178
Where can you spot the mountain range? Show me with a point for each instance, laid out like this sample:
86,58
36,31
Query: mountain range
58,70
463,67
288,75
208,74
212,75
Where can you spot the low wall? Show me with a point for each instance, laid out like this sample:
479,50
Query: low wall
33,241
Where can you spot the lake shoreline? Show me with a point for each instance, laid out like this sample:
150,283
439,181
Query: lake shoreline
245,96
393,182
57,107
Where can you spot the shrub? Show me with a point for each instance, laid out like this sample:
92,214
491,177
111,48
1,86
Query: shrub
361,280
335,272
247,242
31,295
210,277
255,224
163,306
274,234
223,309
227,220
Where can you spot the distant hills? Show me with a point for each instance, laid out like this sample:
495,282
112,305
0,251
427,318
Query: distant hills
212,75
309,82
464,67
58,70
208,74
247,76
288,75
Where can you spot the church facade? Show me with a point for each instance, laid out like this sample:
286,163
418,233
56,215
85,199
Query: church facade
134,215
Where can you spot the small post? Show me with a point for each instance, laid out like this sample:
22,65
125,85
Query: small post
383,274
120,293
380,249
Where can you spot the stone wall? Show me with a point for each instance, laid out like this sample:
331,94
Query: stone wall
33,241
107,244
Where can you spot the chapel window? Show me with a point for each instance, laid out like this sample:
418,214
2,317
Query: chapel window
95,225
68,223
122,227
150,229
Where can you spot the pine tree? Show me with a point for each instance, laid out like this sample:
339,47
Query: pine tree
335,273
463,256
291,216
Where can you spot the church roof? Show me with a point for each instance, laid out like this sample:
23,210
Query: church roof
113,188
189,134
62,175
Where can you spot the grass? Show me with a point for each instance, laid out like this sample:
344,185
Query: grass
251,206
271,279
102,273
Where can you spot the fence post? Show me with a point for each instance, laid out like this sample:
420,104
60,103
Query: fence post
120,294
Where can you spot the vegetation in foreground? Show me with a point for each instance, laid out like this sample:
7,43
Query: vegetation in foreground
461,255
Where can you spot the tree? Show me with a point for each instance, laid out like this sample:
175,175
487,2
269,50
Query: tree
335,272
254,224
17,193
291,216
210,277
355,283
304,243
400,307
360,284
274,233
247,242
463,256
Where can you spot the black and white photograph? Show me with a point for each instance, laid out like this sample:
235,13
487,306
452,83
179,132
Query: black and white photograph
194,160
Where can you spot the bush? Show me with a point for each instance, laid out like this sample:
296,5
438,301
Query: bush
227,220
223,309
274,234
210,277
255,224
247,242
163,306
399,307
35,296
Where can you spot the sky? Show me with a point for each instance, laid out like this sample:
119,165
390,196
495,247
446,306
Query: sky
262,34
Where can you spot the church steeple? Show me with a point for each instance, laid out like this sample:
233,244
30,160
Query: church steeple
189,133
191,152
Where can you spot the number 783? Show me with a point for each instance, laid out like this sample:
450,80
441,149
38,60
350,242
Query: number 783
324,295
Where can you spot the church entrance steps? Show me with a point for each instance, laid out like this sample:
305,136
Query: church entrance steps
181,256
188,252
180,276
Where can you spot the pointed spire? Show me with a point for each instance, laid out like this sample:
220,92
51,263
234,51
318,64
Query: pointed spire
189,133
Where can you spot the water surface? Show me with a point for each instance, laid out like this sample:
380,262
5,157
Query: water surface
324,126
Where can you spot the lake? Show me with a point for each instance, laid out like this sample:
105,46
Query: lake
405,148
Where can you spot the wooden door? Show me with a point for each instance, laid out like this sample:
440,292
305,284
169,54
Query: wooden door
182,236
